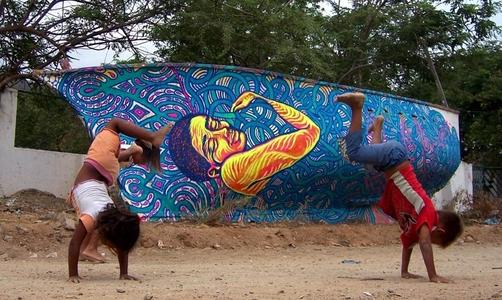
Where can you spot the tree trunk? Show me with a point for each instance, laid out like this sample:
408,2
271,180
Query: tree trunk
432,68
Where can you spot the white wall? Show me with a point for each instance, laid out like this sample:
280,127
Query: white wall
459,188
22,168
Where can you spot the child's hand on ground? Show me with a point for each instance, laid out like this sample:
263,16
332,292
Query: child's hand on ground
74,279
128,277
408,275
439,279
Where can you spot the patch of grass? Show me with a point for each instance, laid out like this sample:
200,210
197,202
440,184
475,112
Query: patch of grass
483,206
217,216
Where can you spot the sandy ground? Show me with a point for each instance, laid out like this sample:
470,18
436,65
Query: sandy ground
305,272
281,261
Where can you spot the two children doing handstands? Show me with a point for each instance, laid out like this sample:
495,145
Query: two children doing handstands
404,199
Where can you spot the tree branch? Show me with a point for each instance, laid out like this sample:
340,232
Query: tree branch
5,80
40,36
2,7
27,29
352,69
432,68
43,13
29,8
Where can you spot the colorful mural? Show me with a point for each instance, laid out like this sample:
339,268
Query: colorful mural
243,132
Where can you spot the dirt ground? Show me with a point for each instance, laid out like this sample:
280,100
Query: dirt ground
242,261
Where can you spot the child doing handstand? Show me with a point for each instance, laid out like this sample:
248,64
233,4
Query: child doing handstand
98,216
404,198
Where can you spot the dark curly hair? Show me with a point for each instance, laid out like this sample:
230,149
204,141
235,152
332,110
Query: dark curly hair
119,230
452,225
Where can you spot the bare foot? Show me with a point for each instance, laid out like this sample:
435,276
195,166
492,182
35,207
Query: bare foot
354,100
377,124
410,275
161,134
94,258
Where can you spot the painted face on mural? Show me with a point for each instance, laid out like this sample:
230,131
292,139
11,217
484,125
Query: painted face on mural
215,139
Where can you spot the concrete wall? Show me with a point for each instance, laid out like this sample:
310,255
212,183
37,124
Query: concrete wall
458,189
22,168
54,172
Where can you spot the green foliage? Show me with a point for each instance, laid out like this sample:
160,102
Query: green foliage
131,61
268,34
473,86
47,122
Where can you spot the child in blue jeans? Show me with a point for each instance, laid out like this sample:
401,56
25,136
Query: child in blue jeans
404,198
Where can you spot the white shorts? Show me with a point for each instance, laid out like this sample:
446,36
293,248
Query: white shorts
89,198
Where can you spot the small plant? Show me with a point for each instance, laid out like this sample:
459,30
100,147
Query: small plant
117,199
461,202
215,216
301,217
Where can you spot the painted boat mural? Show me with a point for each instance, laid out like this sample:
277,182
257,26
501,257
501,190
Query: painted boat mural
268,138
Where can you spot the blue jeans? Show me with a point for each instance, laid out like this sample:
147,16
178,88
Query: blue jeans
381,156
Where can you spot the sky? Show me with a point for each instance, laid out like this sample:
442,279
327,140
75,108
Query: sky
91,58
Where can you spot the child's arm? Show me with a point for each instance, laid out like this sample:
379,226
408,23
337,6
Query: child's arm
424,240
123,257
405,262
74,251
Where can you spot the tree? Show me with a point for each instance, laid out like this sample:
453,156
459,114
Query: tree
267,34
394,45
473,85
44,121
37,34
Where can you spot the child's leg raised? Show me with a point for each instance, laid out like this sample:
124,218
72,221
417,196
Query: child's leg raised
376,128
355,101
160,135
356,150
132,130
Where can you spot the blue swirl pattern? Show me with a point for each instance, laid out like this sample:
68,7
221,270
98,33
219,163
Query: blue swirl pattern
321,187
